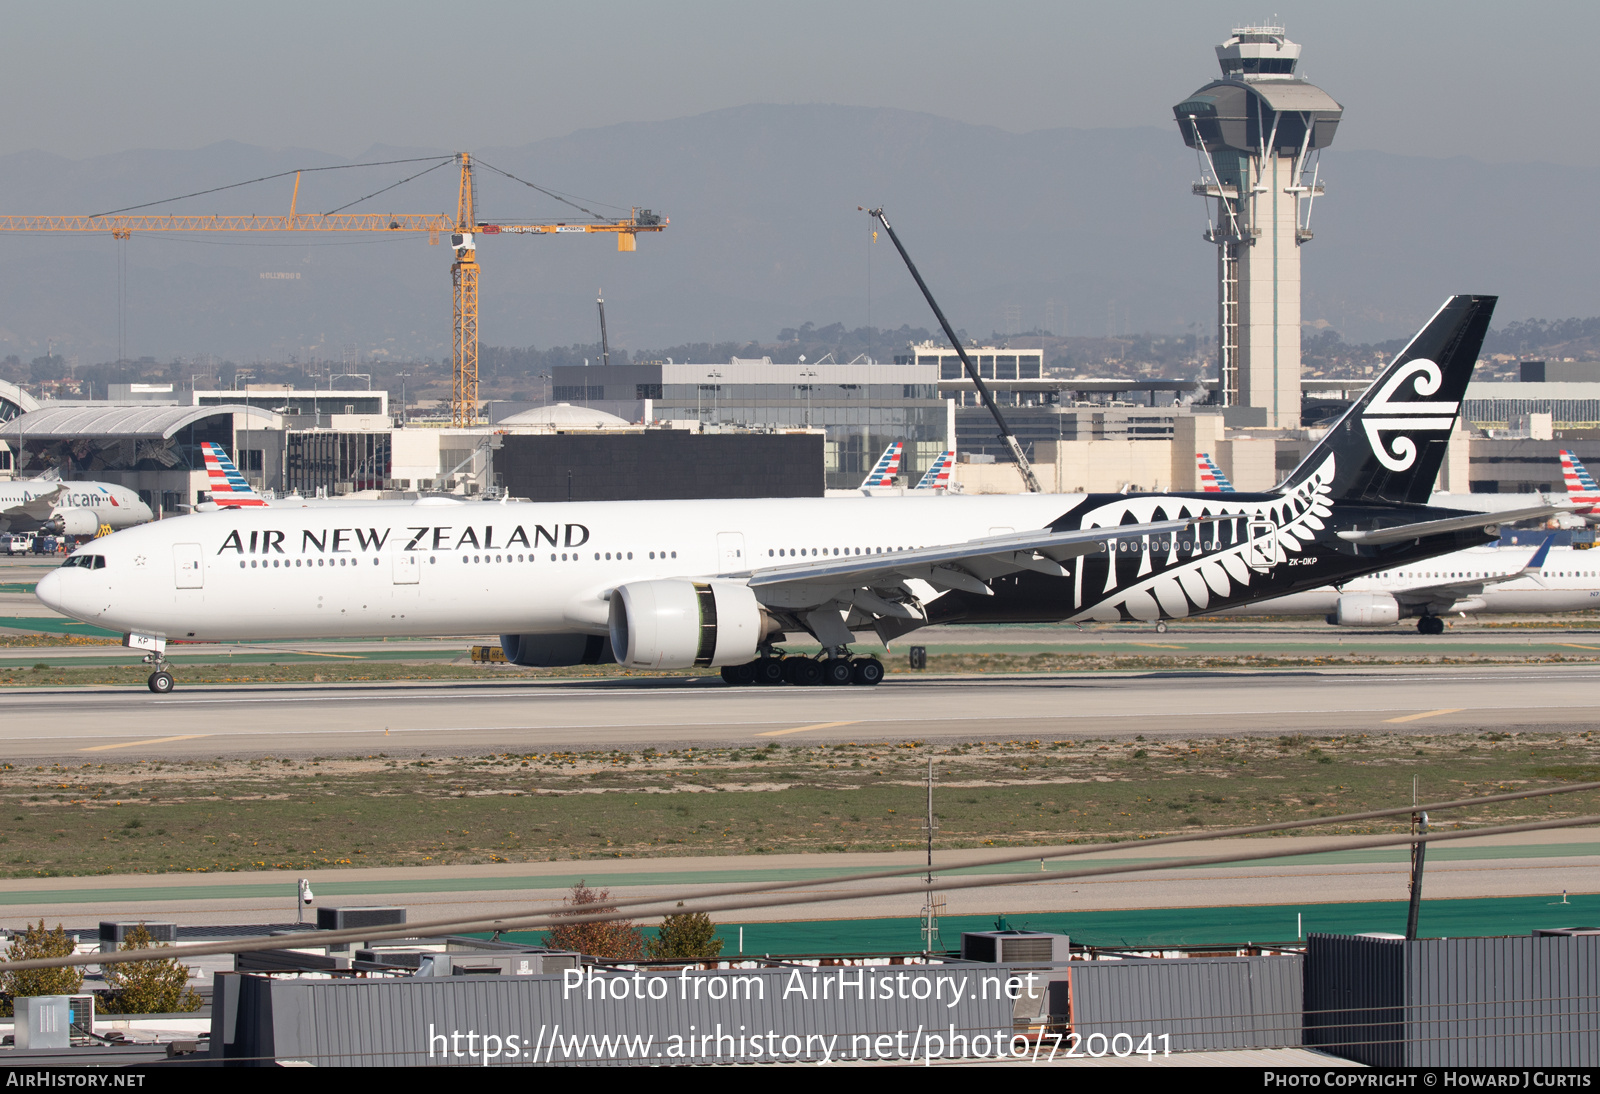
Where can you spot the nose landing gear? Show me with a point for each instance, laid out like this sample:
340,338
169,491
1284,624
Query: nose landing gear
160,680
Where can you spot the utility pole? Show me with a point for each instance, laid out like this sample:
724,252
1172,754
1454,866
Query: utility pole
1419,826
808,375
932,906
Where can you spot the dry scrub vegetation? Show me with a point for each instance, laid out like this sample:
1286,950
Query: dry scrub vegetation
419,809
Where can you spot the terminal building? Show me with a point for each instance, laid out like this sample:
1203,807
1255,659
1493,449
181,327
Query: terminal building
860,407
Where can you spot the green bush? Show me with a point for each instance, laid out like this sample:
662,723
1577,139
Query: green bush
38,942
147,987
684,936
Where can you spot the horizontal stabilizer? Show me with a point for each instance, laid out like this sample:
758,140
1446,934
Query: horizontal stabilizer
1486,521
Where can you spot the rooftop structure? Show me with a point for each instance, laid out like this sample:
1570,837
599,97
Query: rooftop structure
861,406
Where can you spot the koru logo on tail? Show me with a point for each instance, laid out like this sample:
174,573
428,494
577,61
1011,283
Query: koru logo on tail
1382,416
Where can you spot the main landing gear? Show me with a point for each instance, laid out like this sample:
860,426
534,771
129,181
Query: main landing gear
836,670
1430,624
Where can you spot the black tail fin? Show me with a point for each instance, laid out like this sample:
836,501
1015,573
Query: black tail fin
1389,445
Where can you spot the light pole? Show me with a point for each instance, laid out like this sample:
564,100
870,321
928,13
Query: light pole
715,390
808,375
403,376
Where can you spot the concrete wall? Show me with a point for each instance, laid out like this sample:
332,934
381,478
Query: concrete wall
1251,463
1456,469
414,454
1105,467
1192,434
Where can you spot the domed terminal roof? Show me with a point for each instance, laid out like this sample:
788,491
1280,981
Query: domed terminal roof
565,416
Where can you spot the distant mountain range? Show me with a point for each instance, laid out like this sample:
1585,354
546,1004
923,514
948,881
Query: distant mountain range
1084,232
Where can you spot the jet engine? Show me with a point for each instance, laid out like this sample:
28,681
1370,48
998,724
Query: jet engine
555,650
677,624
1365,610
74,522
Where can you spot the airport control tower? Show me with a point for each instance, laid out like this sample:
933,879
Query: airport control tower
1258,133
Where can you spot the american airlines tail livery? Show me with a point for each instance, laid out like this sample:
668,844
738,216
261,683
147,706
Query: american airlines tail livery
937,476
227,487
1581,488
720,584
1212,480
887,467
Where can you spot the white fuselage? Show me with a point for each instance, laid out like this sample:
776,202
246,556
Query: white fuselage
442,567
1569,582
114,505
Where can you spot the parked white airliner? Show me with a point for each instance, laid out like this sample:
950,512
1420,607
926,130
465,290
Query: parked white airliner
68,508
1479,581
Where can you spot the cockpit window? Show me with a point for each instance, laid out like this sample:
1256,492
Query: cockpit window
86,562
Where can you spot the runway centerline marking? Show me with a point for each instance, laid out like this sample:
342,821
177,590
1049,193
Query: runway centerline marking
154,741
1425,714
802,729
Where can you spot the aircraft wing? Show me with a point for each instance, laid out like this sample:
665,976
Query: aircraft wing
1378,536
1445,593
39,508
964,566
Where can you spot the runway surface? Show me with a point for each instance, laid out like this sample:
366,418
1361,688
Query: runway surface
82,723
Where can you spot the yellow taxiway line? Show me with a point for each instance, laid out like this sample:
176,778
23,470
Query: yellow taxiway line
1425,714
802,729
136,744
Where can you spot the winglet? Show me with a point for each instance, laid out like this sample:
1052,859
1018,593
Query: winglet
1536,563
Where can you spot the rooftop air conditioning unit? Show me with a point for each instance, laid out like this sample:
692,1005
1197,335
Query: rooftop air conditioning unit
345,919
1014,947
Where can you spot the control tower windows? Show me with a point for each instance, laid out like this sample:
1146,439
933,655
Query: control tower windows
1266,66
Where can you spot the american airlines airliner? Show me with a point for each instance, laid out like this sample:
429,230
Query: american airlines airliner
721,584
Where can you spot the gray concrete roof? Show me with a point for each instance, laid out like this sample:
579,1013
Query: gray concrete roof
1294,95
60,421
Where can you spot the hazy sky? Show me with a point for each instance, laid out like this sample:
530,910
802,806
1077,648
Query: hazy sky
1498,81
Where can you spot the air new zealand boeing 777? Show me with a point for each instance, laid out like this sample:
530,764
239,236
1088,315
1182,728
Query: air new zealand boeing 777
675,584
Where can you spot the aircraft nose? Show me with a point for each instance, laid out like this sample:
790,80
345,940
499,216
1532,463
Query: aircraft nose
49,591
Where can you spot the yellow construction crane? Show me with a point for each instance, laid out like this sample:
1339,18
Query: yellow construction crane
463,230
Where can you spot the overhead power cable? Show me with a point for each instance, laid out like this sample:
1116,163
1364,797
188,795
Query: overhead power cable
730,901
278,175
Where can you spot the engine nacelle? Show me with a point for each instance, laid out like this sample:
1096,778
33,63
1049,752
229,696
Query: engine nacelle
1365,610
556,650
74,522
678,624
